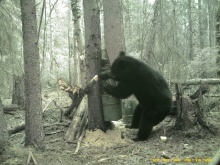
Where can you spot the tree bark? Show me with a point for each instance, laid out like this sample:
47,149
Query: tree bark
93,58
33,112
113,28
218,39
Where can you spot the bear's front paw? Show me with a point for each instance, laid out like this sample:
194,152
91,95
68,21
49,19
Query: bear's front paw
105,75
105,85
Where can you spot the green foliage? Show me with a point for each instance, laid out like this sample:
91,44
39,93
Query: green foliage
10,44
203,64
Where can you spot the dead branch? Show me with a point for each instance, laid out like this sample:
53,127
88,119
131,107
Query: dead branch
73,128
75,93
45,108
81,137
81,125
31,158
204,88
55,132
59,124
61,110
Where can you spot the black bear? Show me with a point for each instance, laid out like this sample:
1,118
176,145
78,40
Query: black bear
149,87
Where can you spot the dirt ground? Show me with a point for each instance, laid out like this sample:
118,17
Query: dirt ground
195,146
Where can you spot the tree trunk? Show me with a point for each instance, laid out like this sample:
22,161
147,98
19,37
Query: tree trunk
113,28
190,30
33,112
78,45
93,58
151,42
218,38
3,131
211,18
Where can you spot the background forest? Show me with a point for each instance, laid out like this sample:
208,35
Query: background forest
176,37
179,38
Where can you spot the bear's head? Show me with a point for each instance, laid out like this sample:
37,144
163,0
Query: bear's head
124,67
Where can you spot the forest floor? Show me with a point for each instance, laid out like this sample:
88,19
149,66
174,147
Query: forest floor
195,146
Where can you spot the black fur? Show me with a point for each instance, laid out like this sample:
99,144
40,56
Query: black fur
148,86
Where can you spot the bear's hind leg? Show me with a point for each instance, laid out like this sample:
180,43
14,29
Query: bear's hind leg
145,127
136,117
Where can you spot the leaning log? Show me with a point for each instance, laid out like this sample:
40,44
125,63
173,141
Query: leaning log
80,117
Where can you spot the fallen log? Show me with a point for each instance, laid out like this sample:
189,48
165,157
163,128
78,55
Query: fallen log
21,127
211,81
16,129
11,107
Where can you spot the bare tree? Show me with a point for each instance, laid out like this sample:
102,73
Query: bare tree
93,58
33,111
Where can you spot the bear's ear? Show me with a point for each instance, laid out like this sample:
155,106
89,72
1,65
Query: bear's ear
122,53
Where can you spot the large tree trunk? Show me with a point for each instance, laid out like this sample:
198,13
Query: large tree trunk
93,58
113,28
33,112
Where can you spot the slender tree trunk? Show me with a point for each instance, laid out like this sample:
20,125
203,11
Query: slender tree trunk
201,42
78,43
190,30
33,112
218,38
211,21
93,58
149,52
